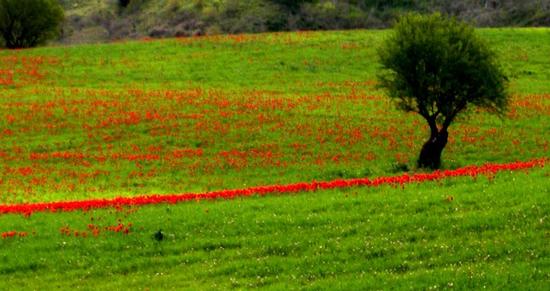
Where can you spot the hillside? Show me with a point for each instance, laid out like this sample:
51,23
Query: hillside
208,113
96,140
104,20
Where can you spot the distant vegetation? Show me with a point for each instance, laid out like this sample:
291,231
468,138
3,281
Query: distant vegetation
95,21
27,23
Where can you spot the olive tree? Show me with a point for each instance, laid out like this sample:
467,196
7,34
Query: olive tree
438,67
28,23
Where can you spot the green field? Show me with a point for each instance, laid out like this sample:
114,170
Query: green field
494,234
224,112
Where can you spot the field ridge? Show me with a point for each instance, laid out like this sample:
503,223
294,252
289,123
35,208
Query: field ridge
406,178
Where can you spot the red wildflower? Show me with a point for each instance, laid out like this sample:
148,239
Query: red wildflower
119,202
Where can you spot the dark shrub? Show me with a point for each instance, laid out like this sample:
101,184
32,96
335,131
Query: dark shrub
28,23
123,3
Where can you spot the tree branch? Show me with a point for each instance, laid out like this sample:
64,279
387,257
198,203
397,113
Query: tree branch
455,112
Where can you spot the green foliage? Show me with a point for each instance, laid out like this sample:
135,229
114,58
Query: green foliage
438,67
248,16
28,23
329,15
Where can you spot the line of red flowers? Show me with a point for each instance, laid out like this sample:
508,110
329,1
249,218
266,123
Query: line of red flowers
13,233
473,171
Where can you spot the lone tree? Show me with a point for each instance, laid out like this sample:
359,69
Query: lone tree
438,67
28,23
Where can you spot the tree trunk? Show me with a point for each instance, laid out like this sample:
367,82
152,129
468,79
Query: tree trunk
430,155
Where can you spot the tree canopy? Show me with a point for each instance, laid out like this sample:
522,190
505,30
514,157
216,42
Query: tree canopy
27,23
438,67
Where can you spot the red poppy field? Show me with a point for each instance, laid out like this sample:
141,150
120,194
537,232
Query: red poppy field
112,137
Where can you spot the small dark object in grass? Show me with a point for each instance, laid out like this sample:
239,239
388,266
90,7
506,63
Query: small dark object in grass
159,235
399,167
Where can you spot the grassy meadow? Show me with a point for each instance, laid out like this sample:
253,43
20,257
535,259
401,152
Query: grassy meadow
225,112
